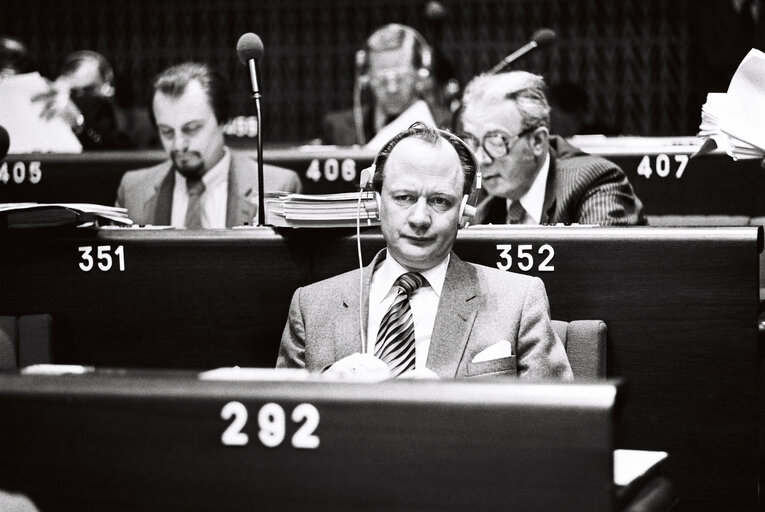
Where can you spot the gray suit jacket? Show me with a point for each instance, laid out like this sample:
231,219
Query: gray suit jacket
479,306
148,193
581,188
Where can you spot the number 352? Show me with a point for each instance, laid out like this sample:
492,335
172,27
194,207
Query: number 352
525,257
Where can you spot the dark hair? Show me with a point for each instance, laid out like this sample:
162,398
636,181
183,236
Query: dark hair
75,60
431,135
15,56
173,81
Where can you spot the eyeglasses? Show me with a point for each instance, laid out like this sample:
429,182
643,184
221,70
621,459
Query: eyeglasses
496,143
397,77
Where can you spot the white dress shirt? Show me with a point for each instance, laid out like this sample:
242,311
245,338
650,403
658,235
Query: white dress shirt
423,302
214,199
534,199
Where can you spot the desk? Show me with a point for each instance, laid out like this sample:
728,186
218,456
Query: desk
681,308
137,441
659,169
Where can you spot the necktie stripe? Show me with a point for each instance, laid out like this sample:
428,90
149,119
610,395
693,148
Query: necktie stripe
395,337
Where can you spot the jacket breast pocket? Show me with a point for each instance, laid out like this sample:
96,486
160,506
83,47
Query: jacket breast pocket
502,367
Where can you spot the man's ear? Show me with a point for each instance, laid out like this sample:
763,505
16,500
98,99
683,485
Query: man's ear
539,140
378,200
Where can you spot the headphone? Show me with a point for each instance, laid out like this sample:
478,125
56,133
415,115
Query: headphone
393,36
467,205
104,68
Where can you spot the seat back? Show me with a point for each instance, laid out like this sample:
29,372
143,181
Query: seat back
25,340
585,343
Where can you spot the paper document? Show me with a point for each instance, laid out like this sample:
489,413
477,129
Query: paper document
419,111
744,115
29,133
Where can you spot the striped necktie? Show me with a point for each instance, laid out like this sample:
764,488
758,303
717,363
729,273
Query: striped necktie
515,213
395,339
195,189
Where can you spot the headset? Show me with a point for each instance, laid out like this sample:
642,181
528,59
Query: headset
467,204
71,63
388,37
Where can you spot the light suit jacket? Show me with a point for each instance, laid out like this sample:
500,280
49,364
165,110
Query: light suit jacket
148,193
479,307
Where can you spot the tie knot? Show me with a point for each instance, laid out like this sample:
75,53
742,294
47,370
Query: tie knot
410,281
515,213
195,186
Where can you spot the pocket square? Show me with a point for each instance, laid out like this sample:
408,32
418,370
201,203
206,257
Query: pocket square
497,351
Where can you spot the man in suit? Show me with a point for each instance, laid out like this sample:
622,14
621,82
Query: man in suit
83,97
424,311
529,176
203,184
395,65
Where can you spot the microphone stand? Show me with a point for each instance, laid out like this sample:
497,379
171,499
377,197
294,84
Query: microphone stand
261,192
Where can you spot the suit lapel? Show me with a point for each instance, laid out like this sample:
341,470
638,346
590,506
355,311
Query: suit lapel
347,335
457,310
242,204
162,199
548,208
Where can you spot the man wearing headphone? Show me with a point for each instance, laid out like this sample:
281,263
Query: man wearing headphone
394,71
418,309
82,96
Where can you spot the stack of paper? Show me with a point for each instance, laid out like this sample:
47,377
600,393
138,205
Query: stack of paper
29,215
735,121
320,211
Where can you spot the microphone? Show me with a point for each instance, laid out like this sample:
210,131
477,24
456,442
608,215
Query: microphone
541,37
5,143
250,50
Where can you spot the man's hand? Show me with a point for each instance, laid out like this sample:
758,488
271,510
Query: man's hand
361,366
57,103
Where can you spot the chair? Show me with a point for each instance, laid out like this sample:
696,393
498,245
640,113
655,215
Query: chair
25,340
585,344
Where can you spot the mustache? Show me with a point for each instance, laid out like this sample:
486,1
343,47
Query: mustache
176,153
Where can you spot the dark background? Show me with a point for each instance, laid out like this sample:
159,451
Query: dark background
642,63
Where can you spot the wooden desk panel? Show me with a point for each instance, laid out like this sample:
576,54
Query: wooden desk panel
680,305
663,177
127,442
184,300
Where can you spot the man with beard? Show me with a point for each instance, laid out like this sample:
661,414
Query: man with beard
203,184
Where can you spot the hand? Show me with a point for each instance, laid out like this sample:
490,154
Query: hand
359,366
420,374
57,103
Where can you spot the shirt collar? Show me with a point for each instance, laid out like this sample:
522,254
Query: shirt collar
533,201
390,270
217,174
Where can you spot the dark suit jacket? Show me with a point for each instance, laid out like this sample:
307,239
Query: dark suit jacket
100,130
339,128
581,188
148,193
479,307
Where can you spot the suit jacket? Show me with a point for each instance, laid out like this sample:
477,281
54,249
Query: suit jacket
479,306
148,193
339,128
580,188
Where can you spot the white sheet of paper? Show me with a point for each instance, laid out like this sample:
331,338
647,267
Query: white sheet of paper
744,117
28,132
419,111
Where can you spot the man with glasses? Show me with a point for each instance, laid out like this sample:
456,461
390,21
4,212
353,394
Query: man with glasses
530,176
392,76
